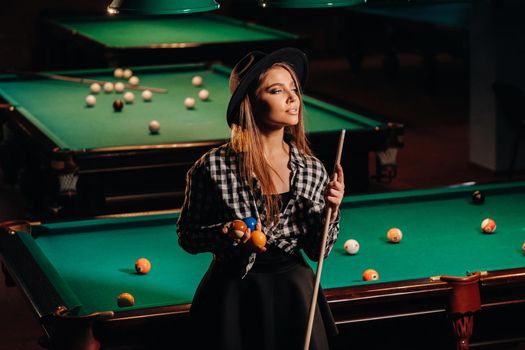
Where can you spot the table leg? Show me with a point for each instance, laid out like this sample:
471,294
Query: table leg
464,301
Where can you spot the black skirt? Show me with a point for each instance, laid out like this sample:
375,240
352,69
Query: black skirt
268,309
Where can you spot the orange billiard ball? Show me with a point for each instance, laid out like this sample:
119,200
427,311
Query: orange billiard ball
239,228
488,225
258,239
370,275
142,266
394,235
125,299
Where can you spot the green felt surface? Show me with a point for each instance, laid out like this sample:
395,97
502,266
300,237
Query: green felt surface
441,236
59,110
201,29
96,259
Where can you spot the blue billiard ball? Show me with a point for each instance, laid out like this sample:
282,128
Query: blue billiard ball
250,222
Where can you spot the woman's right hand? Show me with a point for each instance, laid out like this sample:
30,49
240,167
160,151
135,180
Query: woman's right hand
229,230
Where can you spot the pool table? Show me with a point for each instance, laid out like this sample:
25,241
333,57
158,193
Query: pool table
424,28
76,160
112,41
444,270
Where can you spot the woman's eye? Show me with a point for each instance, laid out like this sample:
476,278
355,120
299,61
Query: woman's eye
275,91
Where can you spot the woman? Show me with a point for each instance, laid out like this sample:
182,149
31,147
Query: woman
258,297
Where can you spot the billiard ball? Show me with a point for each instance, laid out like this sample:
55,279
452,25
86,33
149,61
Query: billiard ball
142,266
95,88
370,275
478,197
119,86
523,247
91,100
488,225
394,235
258,240
129,97
134,80
118,105
118,73
154,127
351,246
204,94
251,222
147,95
127,73
196,80
189,102
108,87
239,228
125,299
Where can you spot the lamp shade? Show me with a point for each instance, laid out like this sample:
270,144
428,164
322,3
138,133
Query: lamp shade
309,3
161,7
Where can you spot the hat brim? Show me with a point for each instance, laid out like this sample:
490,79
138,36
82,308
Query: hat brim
292,56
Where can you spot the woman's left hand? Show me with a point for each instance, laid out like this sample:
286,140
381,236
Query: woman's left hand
336,191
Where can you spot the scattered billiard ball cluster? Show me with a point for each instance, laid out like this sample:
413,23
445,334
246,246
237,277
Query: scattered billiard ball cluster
351,247
126,299
147,95
394,235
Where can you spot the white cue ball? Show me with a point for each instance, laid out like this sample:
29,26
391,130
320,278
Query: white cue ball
118,73
95,88
134,80
119,86
204,94
108,87
351,246
127,73
189,102
129,97
147,95
196,80
154,127
91,100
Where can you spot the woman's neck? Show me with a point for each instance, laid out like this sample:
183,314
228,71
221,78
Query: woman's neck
273,143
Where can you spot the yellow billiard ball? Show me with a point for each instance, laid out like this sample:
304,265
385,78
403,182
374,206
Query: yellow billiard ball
370,275
125,299
142,266
394,235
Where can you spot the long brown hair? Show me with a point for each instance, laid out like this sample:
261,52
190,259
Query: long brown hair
246,139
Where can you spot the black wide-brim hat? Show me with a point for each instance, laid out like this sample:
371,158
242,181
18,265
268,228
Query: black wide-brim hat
247,71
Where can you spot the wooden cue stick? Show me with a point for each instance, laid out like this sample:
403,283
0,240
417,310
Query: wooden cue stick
313,303
91,81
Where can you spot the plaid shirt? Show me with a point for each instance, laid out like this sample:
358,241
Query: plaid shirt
215,195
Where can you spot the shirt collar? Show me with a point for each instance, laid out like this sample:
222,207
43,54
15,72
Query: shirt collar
295,157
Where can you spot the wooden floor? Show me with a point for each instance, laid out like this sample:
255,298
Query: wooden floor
435,152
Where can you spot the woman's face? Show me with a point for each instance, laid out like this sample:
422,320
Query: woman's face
278,102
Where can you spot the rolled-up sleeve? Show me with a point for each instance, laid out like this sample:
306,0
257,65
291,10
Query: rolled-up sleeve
199,227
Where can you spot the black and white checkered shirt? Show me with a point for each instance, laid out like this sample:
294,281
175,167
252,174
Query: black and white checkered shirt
215,195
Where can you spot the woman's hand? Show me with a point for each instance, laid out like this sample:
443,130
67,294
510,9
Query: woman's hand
335,192
228,229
